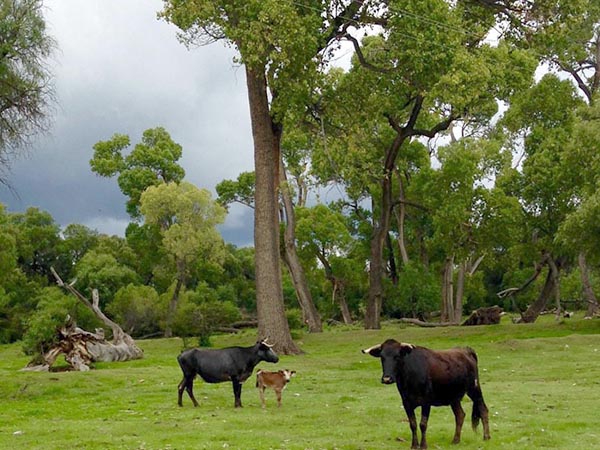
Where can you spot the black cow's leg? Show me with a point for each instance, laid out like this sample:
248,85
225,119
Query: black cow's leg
459,417
412,421
237,392
189,387
180,390
425,409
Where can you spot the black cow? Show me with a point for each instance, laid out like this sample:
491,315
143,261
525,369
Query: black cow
429,378
233,364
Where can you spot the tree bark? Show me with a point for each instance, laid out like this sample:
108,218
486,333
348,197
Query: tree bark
380,232
460,290
174,300
447,291
338,293
550,289
272,322
588,291
309,310
400,213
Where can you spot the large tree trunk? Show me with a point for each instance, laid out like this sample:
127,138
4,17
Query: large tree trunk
376,270
338,292
460,291
549,290
400,213
339,296
309,310
380,233
272,322
588,292
447,291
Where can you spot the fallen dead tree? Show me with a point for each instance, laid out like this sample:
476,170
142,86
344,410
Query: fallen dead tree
82,348
489,315
482,316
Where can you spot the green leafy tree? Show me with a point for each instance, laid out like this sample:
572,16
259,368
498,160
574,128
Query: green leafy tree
187,217
103,272
421,77
540,124
26,91
38,241
323,235
151,162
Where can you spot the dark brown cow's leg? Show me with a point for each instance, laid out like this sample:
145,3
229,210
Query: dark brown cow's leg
480,411
412,420
425,410
237,392
459,416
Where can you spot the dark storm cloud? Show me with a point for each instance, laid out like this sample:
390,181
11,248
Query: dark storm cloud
120,70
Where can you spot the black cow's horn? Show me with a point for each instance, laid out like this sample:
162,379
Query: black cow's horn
264,341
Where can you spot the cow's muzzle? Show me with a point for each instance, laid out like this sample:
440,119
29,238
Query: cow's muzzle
386,379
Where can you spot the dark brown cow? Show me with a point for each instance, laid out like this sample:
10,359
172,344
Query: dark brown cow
274,380
429,378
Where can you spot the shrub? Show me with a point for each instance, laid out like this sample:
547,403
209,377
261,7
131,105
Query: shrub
203,319
416,294
53,308
137,309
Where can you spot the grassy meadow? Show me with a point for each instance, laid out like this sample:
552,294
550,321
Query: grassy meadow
541,383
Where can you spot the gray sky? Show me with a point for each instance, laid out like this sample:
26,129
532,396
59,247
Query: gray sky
120,70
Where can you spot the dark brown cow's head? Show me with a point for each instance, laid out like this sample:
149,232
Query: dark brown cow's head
390,353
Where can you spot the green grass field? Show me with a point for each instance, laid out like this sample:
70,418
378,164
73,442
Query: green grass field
541,383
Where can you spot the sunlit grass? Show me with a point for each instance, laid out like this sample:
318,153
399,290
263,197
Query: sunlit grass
541,383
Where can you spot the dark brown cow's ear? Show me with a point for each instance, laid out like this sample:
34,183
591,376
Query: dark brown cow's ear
374,351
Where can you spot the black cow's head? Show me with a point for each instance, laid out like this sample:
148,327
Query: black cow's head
265,352
391,353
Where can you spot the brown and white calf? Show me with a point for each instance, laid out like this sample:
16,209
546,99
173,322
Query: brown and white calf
274,380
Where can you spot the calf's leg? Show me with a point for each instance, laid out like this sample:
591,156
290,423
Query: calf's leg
278,394
261,394
459,417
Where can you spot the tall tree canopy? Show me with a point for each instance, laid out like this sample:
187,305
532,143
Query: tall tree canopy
26,91
151,162
187,217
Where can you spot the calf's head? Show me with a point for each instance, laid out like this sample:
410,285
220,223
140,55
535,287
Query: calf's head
391,353
265,352
287,374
